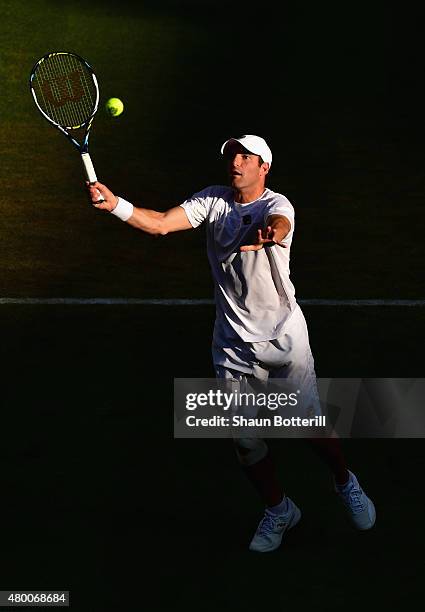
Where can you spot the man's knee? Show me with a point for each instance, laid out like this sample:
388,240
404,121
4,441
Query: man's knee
250,450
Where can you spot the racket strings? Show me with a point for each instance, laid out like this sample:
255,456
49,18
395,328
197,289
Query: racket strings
79,77
87,85
54,92
50,90
65,90
87,99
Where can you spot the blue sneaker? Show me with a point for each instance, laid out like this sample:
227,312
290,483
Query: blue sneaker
359,507
272,526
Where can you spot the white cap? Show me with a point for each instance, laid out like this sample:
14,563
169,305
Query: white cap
253,144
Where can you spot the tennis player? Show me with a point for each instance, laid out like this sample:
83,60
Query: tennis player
260,331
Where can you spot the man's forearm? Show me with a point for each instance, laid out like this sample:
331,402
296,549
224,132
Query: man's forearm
281,227
151,221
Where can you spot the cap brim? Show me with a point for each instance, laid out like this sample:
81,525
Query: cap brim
231,140
239,141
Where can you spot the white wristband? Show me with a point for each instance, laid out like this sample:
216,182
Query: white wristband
123,210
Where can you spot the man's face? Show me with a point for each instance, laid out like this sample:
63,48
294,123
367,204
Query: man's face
245,169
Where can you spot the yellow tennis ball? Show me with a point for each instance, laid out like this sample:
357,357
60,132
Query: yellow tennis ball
114,107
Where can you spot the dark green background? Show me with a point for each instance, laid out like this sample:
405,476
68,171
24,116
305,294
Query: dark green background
336,91
96,495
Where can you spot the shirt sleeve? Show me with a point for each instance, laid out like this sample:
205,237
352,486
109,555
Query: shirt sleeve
282,206
198,206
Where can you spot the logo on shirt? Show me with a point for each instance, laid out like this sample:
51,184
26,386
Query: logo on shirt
246,220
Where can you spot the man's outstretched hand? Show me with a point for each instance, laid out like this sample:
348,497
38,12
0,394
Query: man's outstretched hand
264,236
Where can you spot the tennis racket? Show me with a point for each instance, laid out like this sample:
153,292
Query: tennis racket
66,93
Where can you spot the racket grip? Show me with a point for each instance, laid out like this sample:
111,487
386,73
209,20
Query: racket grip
89,170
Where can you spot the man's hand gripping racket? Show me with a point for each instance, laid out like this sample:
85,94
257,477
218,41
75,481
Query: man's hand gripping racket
108,200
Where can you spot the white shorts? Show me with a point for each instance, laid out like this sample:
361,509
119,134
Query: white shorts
287,357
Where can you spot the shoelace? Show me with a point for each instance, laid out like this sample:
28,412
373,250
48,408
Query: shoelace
353,499
269,523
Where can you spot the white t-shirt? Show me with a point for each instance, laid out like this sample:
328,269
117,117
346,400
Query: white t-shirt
253,292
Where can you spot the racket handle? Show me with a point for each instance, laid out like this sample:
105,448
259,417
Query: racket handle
89,170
